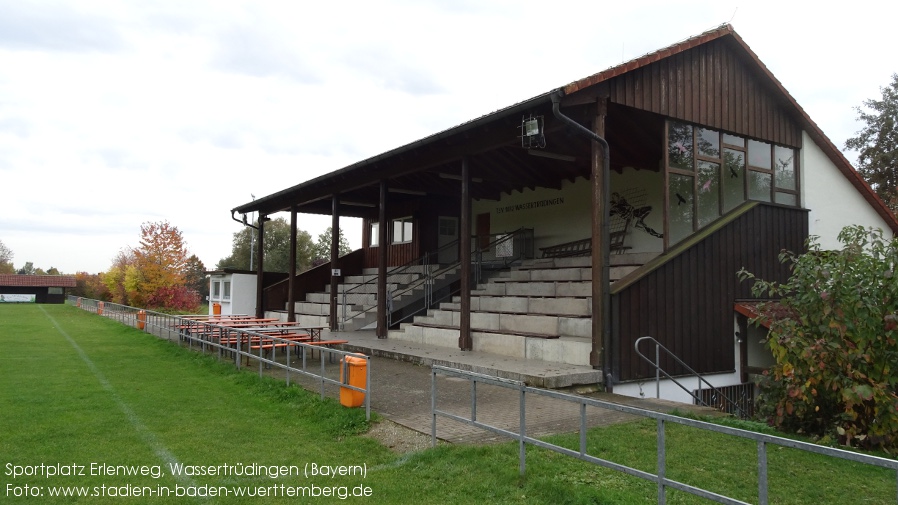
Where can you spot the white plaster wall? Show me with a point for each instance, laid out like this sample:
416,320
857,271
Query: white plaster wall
570,219
832,200
243,294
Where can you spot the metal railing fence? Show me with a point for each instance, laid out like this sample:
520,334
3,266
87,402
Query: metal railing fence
662,419
236,342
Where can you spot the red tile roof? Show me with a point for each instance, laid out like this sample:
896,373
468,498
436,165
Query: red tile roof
39,281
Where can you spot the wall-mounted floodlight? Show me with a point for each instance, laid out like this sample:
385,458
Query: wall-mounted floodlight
532,132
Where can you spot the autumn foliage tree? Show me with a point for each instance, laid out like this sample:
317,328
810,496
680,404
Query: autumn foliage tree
834,336
155,274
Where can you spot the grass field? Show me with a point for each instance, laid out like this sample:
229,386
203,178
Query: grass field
82,394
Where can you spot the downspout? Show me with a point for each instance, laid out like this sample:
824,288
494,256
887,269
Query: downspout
606,250
243,221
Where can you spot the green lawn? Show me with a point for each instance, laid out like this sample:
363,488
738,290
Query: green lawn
78,390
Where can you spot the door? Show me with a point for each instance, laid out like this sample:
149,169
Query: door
483,230
448,234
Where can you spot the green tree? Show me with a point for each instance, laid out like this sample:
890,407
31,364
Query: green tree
276,248
877,143
834,335
115,278
195,276
322,250
28,269
6,256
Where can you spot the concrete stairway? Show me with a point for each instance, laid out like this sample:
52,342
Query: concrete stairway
540,309
361,298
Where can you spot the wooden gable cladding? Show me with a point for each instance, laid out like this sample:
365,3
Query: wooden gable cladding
686,303
710,85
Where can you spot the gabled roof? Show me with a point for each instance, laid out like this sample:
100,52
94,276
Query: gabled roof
433,152
814,131
37,281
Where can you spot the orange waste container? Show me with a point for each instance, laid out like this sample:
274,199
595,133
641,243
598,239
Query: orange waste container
141,319
79,302
354,372
99,308
216,309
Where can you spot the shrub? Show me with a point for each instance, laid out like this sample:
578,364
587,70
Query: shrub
833,334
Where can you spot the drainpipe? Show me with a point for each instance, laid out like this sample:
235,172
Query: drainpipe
599,342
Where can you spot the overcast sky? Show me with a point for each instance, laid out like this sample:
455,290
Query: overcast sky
116,113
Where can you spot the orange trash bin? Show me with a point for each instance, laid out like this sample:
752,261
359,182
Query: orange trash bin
99,308
354,372
141,319
216,309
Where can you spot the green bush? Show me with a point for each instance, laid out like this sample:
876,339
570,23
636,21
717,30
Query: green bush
833,334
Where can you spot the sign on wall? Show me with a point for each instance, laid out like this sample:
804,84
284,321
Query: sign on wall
17,298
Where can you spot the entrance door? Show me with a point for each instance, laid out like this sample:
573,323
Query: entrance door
483,230
448,233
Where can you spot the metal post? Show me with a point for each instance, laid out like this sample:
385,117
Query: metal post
762,472
657,370
474,400
367,388
321,378
582,428
522,447
662,462
433,408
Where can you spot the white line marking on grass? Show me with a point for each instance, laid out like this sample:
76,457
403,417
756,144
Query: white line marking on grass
148,436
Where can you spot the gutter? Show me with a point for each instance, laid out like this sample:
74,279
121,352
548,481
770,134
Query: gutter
599,345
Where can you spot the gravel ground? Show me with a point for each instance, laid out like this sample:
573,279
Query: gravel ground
398,438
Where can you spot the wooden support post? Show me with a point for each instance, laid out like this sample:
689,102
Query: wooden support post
465,342
260,308
382,246
291,282
335,253
601,195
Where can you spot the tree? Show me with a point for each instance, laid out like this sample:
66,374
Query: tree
161,264
115,280
322,251
90,286
6,256
834,335
877,143
276,248
28,269
195,277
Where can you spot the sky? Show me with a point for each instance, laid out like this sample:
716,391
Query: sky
119,113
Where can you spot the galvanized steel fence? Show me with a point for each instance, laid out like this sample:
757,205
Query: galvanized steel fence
662,419
237,344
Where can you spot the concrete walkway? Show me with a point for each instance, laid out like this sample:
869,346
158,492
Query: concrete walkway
401,391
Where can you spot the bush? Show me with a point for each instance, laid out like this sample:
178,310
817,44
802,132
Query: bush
833,335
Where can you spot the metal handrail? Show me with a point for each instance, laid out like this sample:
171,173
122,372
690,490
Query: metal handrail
701,380
432,270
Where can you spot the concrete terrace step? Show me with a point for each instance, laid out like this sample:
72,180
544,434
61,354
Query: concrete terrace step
541,289
550,306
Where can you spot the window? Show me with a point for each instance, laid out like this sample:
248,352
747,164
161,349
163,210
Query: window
375,234
216,290
710,173
226,295
54,291
402,230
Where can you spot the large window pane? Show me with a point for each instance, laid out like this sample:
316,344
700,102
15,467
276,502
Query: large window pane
759,154
733,179
375,234
785,167
786,198
708,192
733,140
681,201
679,146
708,142
758,186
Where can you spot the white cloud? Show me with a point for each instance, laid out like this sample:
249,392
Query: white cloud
117,113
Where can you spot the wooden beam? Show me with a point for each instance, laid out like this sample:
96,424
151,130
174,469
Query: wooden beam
291,281
382,246
335,254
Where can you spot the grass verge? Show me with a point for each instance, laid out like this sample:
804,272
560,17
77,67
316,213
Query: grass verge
77,389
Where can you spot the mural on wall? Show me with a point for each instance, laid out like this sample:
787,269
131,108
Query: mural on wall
629,205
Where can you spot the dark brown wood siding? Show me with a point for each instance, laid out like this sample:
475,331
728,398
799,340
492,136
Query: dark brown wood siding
687,303
709,85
